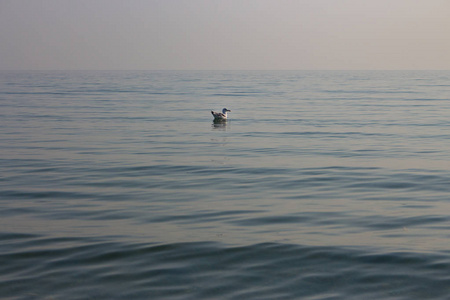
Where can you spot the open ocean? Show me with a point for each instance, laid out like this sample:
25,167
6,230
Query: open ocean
322,185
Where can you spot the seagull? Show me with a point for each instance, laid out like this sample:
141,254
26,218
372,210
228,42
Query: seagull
220,116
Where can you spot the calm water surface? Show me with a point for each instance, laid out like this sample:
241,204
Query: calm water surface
322,185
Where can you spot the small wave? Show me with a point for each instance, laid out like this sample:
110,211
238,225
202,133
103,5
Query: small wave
207,270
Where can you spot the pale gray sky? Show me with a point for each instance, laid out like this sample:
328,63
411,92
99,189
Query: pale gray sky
224,34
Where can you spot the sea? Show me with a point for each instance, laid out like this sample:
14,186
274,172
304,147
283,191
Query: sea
321,185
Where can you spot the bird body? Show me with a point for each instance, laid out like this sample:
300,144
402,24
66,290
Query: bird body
220,116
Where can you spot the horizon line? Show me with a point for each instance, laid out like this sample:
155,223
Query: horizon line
210,70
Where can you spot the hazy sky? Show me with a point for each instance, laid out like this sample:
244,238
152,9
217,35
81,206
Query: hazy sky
224,34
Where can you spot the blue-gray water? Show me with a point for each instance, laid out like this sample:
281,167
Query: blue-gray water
322,185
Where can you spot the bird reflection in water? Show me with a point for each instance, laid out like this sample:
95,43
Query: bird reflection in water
219,125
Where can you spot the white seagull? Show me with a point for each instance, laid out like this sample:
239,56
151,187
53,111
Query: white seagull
220,116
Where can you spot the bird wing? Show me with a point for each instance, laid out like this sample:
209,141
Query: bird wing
217,114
